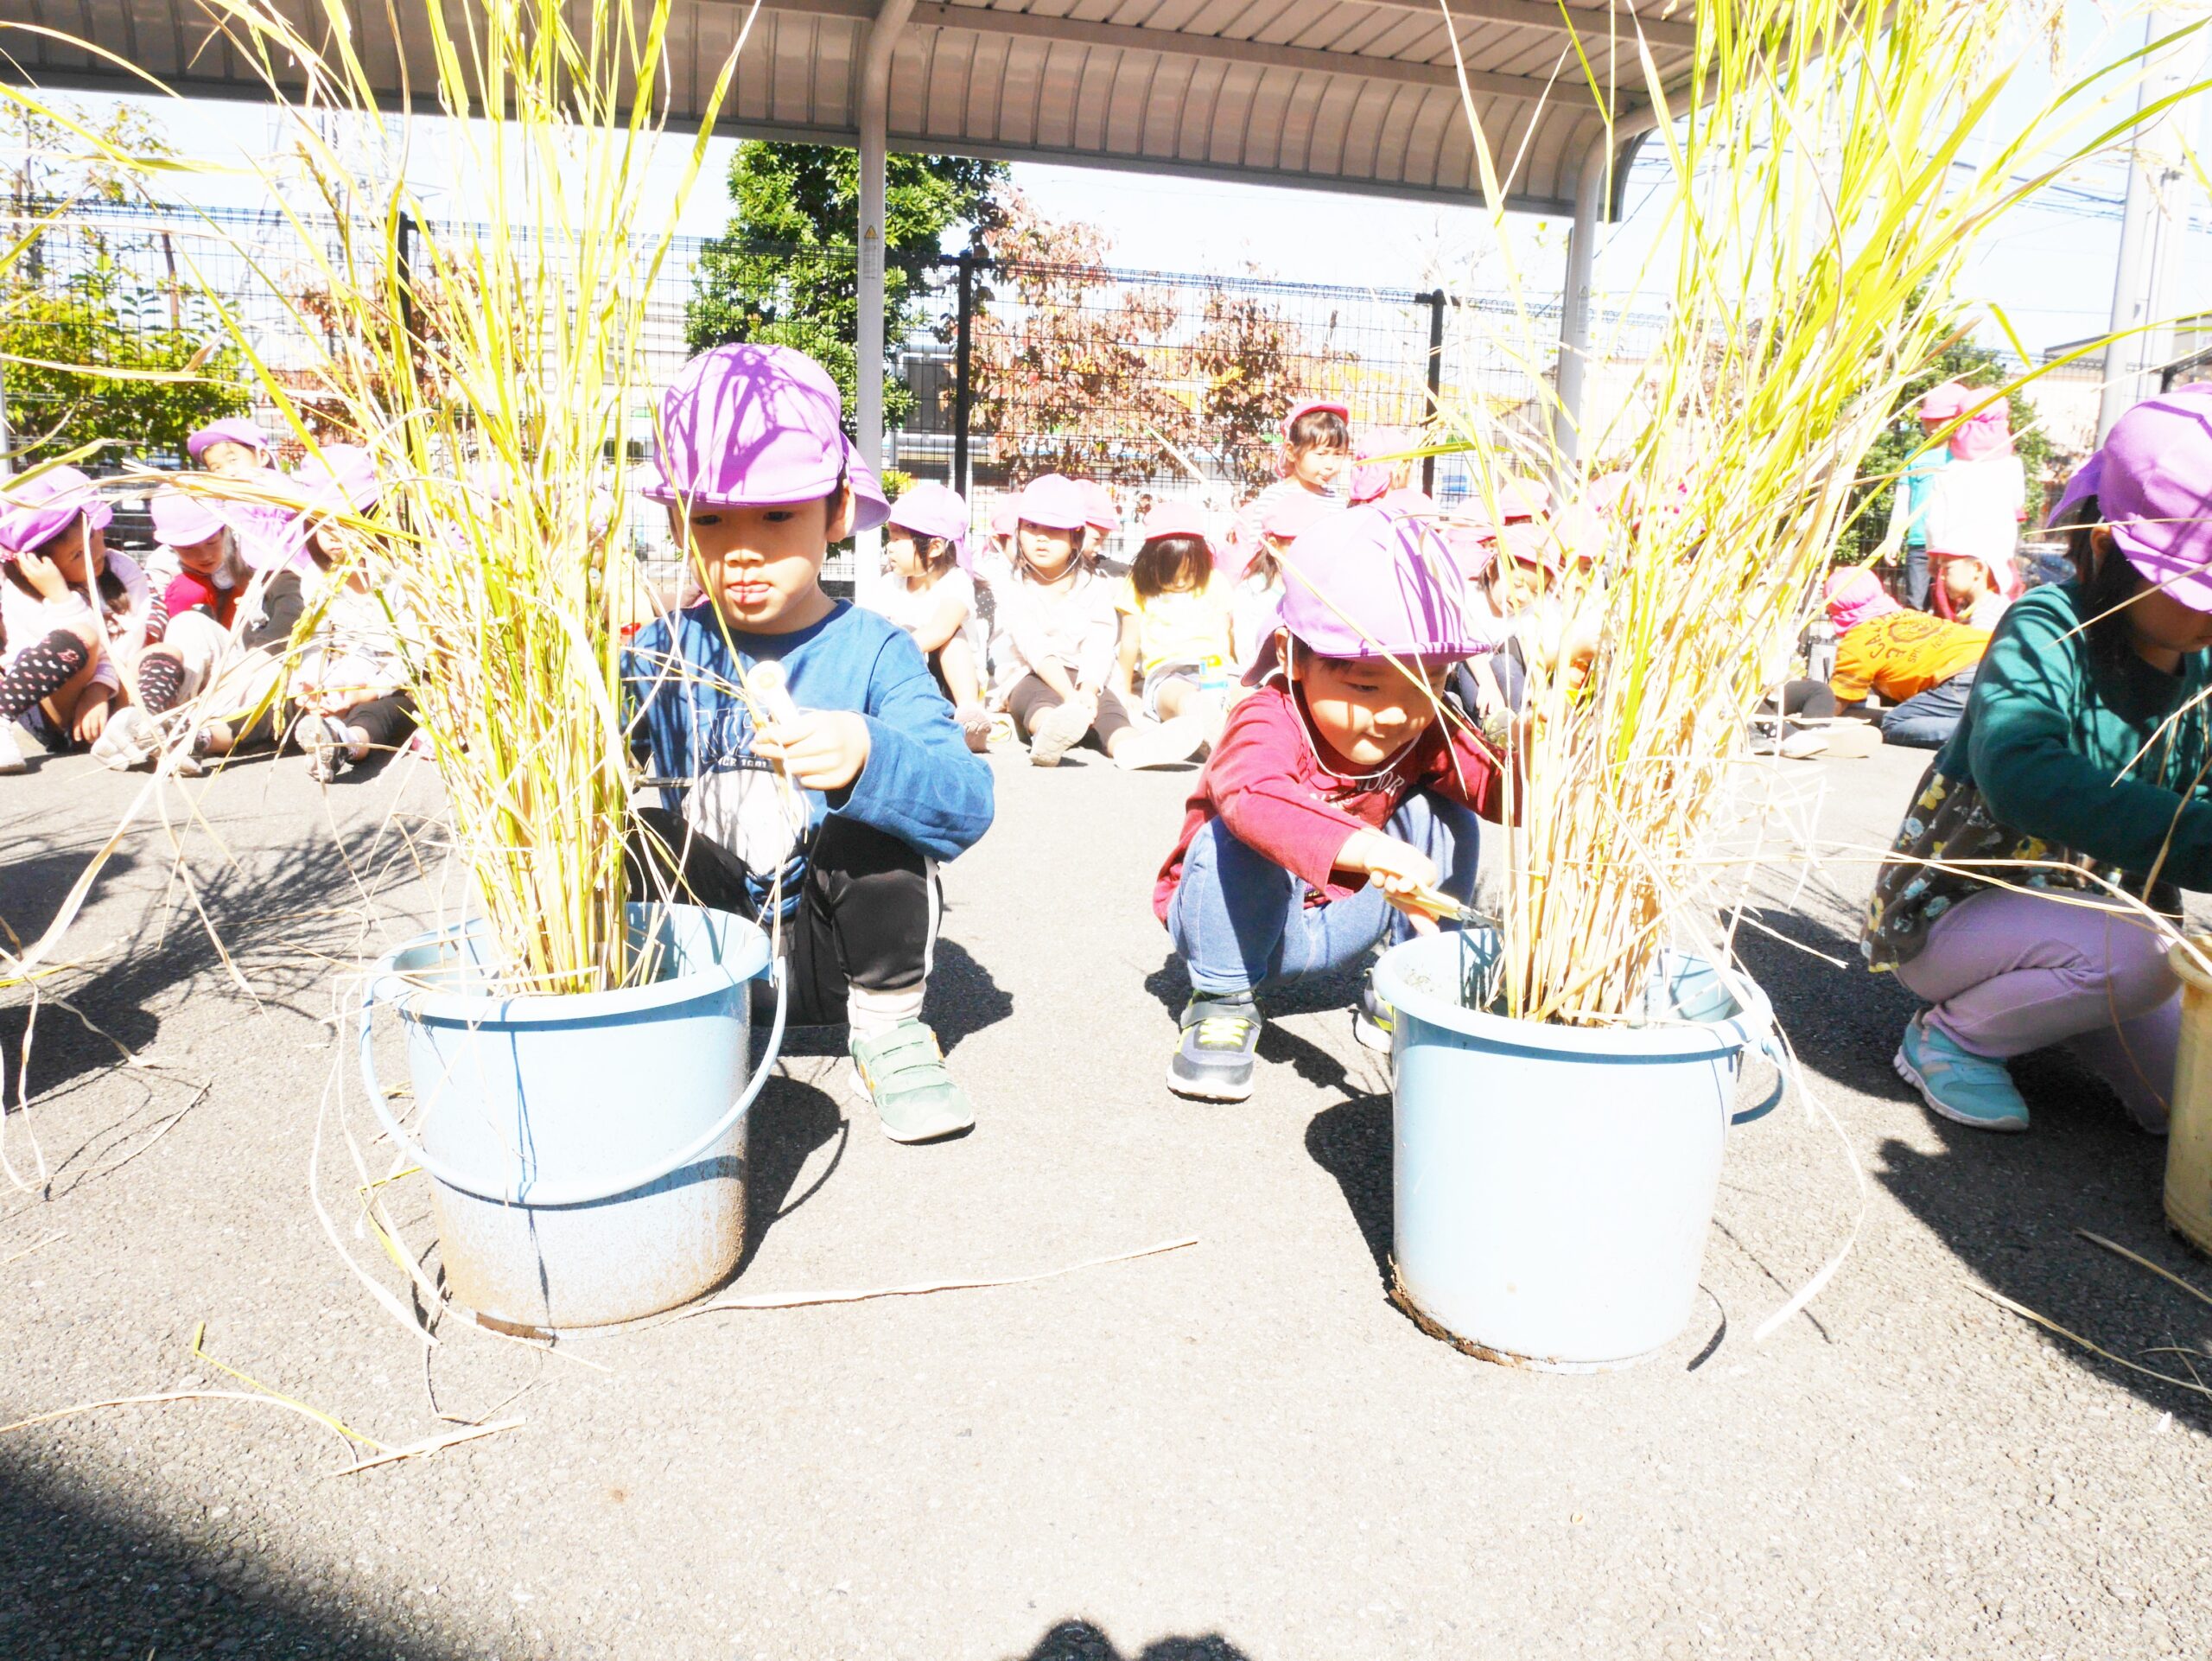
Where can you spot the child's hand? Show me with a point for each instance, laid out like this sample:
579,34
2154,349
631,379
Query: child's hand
44,576
92,718
823,749
1400,869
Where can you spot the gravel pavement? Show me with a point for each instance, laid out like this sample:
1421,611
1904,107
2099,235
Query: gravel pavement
1240,1449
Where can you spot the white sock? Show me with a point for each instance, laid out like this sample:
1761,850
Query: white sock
874,1014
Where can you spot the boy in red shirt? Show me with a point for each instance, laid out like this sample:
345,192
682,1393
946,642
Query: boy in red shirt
1338,798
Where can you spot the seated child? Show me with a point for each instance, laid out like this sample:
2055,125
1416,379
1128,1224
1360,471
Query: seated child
1976,588
201,575
758,477
1315,454
72,615
1175,631
233,446
933,597
1252,607
350,682
1102,519
1922,665
2083,755
1054,637
1338,804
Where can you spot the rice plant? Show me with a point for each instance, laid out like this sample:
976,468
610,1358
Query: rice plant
490,371
1824,188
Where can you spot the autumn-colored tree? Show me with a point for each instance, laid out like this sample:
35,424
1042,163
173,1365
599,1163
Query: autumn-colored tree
1073,372
1251,364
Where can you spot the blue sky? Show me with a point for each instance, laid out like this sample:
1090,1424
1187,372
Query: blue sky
2051,269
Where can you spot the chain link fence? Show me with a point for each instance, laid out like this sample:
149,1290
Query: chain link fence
1159,383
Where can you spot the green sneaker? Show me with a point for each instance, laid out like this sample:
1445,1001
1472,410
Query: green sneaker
903,1075
1965,1088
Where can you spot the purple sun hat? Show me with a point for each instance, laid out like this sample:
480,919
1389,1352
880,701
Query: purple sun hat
181,521
338,479
759,426
1370,583
35,510
232,429
931,509
2153,482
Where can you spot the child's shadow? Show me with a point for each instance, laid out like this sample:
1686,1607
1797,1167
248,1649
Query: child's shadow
963,1001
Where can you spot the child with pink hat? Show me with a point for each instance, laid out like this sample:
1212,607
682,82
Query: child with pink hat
1176,647
1923,666
1976,500
1340,805
232,446
199,577
1055,635
72,615
760,480
1939,407
2035,883
1259,592
932,597
1316,454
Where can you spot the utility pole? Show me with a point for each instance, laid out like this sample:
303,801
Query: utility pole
2154,228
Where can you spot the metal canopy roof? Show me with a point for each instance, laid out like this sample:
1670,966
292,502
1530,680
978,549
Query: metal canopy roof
1338,94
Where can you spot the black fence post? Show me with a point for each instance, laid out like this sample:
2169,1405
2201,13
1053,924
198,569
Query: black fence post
963,394
1434,301
406,253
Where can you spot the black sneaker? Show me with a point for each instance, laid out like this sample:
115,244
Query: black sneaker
1213,1057
1370,1018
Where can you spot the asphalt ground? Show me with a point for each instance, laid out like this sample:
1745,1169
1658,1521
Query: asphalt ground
1240,1448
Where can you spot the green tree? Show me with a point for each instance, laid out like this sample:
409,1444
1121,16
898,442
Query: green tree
785,272
102,338
1873,500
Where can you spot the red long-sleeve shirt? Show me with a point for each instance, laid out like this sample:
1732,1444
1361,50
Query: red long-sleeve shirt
1268,784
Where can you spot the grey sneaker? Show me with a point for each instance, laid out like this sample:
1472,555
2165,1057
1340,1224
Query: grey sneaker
130,739
903,1075
1371,1018
327,745
1215,1050
11,752
1058,730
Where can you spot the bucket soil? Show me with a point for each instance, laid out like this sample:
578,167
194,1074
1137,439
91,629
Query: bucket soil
1553,1185
586,1152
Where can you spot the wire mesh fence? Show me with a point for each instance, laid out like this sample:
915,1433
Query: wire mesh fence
1159,383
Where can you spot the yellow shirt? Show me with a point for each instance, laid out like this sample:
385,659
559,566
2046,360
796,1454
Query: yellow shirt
1185,627
1901,654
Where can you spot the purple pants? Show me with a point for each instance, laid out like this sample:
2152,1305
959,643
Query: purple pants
2009,972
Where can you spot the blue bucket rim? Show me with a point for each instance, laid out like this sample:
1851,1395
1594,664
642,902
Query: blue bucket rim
389,983
1693,1040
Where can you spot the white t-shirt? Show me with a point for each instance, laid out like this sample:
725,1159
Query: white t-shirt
1078,627
1974,507
911,607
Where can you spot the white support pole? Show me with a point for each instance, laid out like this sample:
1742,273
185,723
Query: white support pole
1574,303
2153,229
867,402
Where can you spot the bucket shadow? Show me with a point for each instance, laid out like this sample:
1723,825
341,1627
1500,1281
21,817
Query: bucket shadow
2007,1207
1352,1143
790,1120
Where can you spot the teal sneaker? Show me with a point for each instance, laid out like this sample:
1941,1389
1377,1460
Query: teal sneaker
1965,1088
903,1075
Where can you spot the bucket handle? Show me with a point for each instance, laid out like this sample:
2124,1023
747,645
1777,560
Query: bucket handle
1769,1044
570,1193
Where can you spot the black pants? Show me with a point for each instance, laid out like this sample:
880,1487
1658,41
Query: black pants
866,915
1809,699
388,720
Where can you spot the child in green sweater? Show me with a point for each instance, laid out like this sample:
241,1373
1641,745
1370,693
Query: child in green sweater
2028,897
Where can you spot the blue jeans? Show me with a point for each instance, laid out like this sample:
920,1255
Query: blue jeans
1242,923
1916,575
1927,721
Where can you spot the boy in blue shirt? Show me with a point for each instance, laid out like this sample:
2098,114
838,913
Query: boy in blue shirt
760,480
